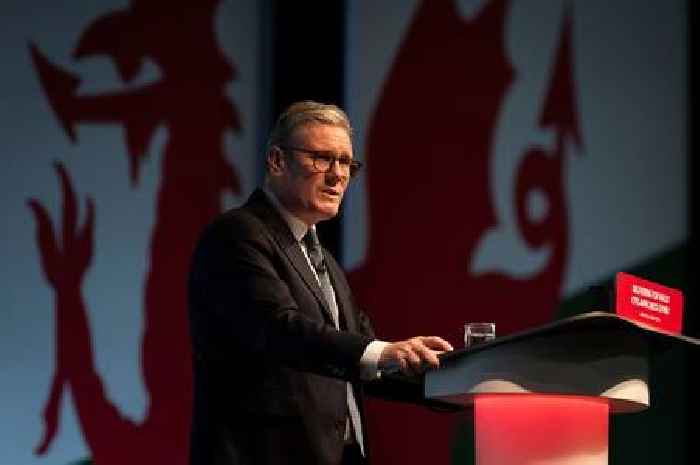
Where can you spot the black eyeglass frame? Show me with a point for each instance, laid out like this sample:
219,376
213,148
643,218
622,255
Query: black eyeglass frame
354,166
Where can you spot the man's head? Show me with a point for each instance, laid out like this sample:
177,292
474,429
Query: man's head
309,160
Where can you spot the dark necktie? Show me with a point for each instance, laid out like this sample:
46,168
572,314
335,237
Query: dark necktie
313,249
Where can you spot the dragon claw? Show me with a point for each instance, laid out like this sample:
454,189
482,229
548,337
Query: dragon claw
68,259
46,239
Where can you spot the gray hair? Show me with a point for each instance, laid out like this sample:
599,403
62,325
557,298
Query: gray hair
306,112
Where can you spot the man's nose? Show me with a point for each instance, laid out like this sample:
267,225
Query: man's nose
332,178
335,173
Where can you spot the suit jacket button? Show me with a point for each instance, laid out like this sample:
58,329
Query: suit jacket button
340,427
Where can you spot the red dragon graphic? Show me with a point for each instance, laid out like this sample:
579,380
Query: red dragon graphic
189,100
430,143
437,112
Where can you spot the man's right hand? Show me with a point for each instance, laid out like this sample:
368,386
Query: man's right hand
413,356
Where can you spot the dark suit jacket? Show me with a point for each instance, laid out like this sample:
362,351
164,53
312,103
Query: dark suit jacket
270,368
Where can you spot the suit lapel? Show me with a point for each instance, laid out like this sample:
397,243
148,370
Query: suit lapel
280,231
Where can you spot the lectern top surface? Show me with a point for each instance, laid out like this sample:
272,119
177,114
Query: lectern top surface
587,321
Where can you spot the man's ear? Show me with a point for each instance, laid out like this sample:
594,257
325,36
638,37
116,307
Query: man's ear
275,161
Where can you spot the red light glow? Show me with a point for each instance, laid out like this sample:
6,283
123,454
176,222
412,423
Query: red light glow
533,429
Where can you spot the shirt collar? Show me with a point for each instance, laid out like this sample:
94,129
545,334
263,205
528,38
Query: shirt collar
296,226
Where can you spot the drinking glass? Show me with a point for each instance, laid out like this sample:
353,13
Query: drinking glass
478,333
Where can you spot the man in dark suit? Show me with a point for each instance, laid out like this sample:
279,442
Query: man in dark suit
280,348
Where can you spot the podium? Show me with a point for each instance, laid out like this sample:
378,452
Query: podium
544,396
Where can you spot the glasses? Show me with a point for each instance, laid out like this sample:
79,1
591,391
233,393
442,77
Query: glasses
323,161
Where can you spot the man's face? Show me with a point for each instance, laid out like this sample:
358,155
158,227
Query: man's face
308,194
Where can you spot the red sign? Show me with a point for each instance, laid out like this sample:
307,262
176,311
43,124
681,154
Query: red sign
649,303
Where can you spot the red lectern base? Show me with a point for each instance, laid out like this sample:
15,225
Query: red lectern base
536,429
